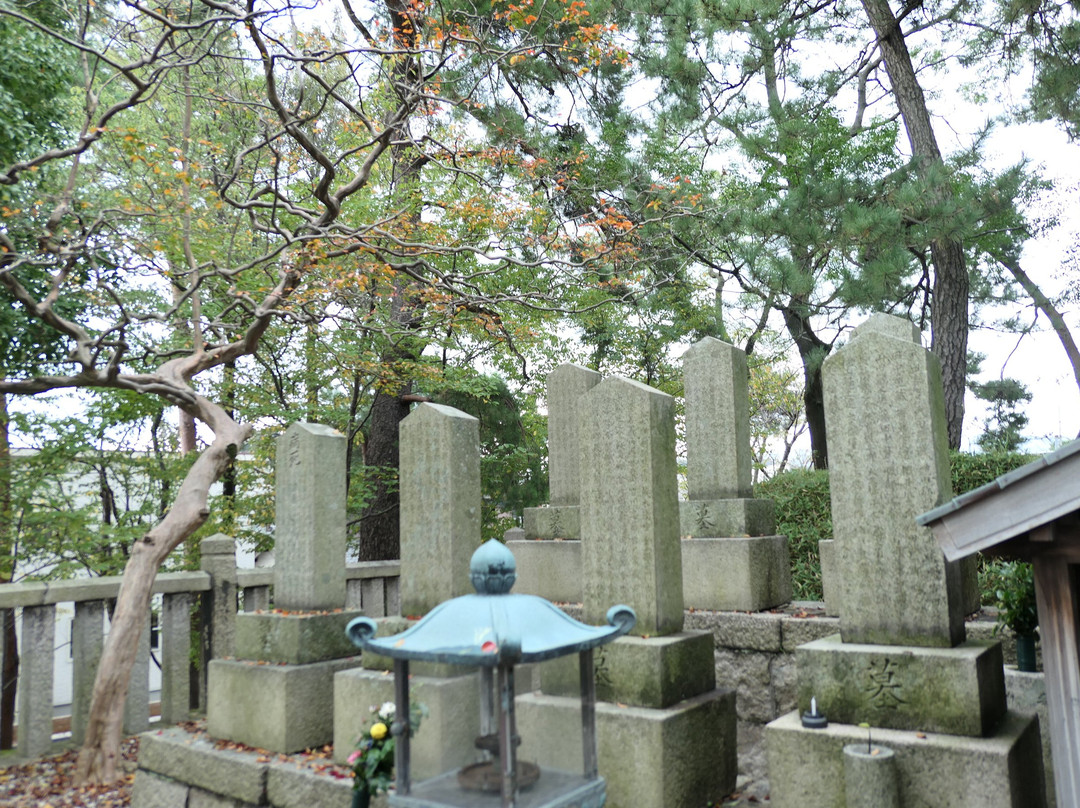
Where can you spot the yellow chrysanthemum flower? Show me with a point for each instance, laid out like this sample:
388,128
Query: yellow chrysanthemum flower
378,731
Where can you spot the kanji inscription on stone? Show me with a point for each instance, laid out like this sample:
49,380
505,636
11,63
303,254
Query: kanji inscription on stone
884,689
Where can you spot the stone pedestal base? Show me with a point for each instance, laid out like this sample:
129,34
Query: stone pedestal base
959,690
446,737
550,569
281,708
178,768
552,522
642,672
806,766
296,638
748,574
680,756
702,518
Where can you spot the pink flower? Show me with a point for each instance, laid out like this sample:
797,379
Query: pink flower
355,756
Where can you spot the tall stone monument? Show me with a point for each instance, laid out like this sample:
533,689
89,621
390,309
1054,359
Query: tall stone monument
900,663
731,560
548,555
659,703
439,485
287,705
309,515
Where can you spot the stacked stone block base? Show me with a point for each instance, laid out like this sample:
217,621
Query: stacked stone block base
806,766
447,735
958,690
736,574
702,518
552,522
550,569
281,708
179,769
682,755
653,672
294,639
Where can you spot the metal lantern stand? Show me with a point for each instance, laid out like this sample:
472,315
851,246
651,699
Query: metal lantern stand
495,630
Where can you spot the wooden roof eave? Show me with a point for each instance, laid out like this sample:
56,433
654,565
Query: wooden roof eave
1007,516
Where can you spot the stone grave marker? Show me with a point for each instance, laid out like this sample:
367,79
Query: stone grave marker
731,560
629,505
277,693
900,663
550,568
658,701
889,462
440,528
309,533
439,484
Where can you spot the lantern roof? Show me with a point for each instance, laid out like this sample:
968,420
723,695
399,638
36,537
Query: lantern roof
493,626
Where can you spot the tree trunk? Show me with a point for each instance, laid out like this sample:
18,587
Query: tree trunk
812,351
10,679
99,755
9,676
380,525
1047,307
949,311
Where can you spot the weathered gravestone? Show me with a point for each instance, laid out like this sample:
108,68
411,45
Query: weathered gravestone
287,706
548,555
900,662
659,703
309,517
439,485
730,559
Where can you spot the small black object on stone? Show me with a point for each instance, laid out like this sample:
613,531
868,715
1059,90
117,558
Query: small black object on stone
812,719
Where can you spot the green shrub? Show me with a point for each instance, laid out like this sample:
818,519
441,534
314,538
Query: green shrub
803,514
969,471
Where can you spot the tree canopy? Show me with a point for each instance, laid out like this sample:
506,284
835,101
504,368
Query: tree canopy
253,212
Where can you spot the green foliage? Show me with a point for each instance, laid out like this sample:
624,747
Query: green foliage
513,447
970,471
35,77
1002,429
1016,599
81,495
372,761
804,515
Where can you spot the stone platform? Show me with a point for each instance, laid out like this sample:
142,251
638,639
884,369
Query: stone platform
806,766
958,690
737,574
282,708
549,569
704,518
182,768
679,756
